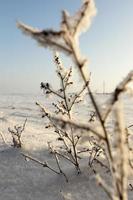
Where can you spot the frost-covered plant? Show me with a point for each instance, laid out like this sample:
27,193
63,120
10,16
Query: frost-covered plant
64,99
63,107
66,40
16,134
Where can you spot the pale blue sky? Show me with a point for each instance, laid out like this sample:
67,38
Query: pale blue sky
108,44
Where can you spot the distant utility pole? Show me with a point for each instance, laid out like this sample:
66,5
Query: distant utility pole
103,87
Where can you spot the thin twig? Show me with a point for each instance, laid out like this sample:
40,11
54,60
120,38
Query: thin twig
57,161
65,157
44,164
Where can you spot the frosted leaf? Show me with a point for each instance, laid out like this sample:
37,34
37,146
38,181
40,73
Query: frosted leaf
46,38
81,21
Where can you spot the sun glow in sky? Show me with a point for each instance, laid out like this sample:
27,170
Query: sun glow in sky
108,43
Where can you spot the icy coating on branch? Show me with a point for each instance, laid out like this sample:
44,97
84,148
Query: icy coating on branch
67,38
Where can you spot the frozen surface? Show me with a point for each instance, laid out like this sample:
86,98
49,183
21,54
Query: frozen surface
21,180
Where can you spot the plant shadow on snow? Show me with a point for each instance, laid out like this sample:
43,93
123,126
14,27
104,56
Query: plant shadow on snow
28,180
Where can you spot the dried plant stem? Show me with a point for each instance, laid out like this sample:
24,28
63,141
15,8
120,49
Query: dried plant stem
44,164
65,157
23,127
78,125
59,133
120,173
106,188
131,186
16,133
102,164
72,160
78,95
130,126
54,92
61,155
57,161
72,136
92,157
80,67
64,141
84,151
119,89
65,97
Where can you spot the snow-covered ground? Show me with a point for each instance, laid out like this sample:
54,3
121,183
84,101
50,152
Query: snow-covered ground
21,180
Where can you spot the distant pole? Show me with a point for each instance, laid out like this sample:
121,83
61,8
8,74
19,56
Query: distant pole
103,87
